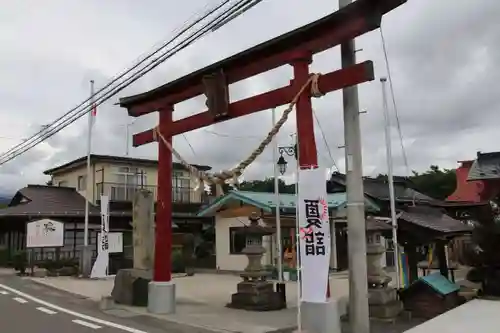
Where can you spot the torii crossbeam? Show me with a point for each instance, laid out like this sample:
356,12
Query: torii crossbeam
295,48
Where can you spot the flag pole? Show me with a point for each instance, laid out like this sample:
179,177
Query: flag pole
87,254
297,240
388,147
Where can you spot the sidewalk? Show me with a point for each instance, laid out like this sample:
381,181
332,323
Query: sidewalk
201,301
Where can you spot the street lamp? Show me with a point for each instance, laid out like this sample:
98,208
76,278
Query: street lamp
282,165
287,150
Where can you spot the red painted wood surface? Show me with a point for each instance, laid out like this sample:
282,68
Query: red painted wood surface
163,232
329,82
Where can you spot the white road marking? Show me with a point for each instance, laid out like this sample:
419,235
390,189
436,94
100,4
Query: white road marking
84,323
3,292
72,313
20,300
45,310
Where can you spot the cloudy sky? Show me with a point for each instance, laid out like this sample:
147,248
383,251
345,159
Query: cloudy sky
441,55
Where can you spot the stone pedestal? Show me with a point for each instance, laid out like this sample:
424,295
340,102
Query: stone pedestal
383,300
255,293
384,303
131,287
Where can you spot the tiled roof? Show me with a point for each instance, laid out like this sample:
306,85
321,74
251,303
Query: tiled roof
41,200
266,201
379,189
434,219
486,166
375,224
117,159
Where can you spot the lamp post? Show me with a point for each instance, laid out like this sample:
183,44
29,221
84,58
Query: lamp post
281,166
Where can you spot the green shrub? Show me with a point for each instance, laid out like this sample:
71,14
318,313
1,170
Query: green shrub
20,262
60,266
178,265
4,257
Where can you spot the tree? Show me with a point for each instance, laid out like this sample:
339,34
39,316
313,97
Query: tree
266,185
435,182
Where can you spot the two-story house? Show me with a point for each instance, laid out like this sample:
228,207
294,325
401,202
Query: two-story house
118,177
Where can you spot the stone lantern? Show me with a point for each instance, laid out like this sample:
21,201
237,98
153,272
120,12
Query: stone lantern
255,292
383,300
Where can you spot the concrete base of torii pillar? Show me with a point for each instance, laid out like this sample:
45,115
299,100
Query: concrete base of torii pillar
320,317
161,297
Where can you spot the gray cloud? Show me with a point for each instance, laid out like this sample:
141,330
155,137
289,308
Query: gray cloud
442,56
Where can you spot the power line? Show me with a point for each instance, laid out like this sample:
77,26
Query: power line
389,76
326,142
75,113
119,76
223,135
189,144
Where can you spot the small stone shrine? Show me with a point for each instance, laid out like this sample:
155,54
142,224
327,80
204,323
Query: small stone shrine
383,300
255,293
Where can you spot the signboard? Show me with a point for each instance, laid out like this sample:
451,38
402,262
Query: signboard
44,233
115,242
100,268
314,228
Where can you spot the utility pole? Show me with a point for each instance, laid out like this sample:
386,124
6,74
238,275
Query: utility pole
356,224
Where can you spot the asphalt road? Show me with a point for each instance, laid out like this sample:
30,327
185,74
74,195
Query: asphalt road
26,306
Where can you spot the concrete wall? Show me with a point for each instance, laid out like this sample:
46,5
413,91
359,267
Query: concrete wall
224,259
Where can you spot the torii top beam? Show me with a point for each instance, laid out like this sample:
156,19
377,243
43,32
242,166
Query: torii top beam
347,23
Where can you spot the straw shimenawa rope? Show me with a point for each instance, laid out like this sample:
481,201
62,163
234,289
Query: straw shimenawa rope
222,177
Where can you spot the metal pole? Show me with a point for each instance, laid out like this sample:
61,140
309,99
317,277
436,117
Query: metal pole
356,224
86,254
388,148
127,142
277,202
297,242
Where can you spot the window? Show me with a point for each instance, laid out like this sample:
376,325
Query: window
237,240
63,183
130,176
178,182
181,188
181,195
82,183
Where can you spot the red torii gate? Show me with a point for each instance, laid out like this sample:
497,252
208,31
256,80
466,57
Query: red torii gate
295,48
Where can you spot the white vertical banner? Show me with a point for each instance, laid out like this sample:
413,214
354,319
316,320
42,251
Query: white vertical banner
99,270
315,240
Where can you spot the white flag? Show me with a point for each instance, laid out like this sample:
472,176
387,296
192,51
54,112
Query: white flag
314,231
99,270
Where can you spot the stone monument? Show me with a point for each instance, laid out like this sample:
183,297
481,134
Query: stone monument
383,300
131,285
255,293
